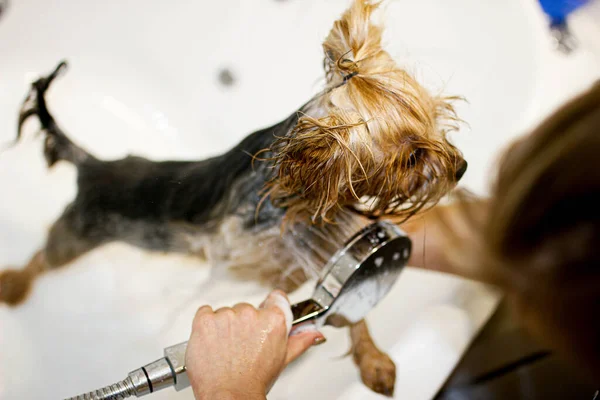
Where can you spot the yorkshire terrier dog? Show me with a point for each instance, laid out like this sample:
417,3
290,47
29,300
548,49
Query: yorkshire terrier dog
371,145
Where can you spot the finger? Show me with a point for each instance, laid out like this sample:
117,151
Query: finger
225,311
244,309
242,306
278,299
281,292
302,341
202,311
202,318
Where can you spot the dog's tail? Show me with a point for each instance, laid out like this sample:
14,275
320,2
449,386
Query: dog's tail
57,146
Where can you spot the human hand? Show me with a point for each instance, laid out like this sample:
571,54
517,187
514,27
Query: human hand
238,352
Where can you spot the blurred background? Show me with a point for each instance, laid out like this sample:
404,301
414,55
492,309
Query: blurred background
189,79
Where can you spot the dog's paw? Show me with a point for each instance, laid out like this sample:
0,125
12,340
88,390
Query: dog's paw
14,286
377,370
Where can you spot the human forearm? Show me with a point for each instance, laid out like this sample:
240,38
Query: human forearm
439,233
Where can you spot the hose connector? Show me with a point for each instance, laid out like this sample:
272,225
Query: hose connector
165,372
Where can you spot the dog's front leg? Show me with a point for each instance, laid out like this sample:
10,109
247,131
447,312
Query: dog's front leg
377,370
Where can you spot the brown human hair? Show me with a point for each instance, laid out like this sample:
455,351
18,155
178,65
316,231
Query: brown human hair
540,239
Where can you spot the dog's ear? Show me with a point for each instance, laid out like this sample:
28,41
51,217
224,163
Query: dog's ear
320,164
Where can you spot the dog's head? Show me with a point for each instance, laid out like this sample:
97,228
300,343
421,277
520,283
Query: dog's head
374,140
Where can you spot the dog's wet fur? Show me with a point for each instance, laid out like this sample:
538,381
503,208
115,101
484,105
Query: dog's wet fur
278,204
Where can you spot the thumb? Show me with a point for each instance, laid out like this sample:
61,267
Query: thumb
302,340
278,299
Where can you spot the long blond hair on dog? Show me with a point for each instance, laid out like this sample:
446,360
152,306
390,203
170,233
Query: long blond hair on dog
375,139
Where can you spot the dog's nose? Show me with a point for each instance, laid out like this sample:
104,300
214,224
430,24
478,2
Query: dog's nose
460,171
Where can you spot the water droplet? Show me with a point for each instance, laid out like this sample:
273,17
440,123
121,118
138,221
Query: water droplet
379,262
396,256
405,253
380,234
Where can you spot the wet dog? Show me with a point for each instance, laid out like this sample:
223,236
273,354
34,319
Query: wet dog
371,145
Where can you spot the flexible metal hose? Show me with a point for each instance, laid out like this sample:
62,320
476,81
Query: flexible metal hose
118,391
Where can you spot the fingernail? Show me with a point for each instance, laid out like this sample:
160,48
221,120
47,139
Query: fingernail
319,340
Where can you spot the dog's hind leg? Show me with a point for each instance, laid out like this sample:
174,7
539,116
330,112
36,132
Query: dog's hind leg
15,283
66,241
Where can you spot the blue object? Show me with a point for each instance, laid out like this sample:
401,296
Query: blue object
558,10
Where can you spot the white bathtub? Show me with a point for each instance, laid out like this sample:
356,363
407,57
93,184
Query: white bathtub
143,78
